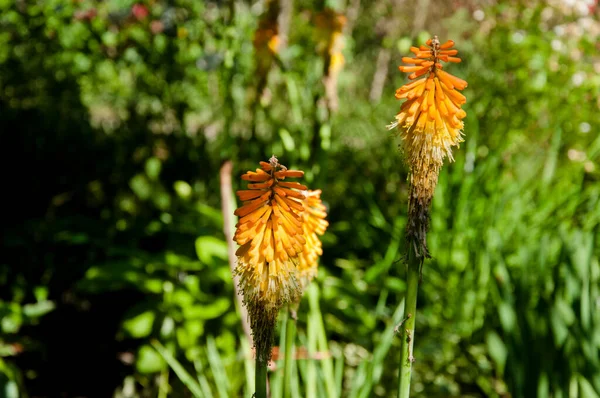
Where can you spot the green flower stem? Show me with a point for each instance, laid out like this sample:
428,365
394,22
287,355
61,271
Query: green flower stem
407,327
260,378
288,358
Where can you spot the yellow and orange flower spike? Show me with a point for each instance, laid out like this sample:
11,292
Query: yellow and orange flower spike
430,121
270,235
314,226
278,228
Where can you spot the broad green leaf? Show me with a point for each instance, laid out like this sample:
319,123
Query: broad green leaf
153,167
140,325
210,249
497,350
149,361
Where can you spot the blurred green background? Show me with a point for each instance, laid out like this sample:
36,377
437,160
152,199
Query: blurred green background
116,117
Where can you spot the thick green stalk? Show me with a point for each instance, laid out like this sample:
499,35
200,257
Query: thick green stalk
260,378
407,328
288,358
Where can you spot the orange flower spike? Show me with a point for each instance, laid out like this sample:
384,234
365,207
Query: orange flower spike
269,231
430,119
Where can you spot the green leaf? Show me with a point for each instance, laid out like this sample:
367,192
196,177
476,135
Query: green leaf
109,38
183,189
140,186
559,328
11,322
188,335
210,249
288,141
115,275
38,309
153,167
214,215
207,311
149,361
497,350
140,325
587,390
11,389
508,318
564,310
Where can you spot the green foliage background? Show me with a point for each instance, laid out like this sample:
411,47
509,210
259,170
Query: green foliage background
116,118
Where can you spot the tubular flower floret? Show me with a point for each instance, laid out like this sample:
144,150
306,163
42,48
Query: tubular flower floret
314,226
430,120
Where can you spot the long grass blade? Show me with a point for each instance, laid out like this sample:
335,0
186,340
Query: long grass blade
323,346
202,380
179,370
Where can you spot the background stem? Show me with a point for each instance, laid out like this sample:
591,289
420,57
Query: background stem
407,328
228,206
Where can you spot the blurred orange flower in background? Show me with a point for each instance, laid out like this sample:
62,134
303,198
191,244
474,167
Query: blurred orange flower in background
330,43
